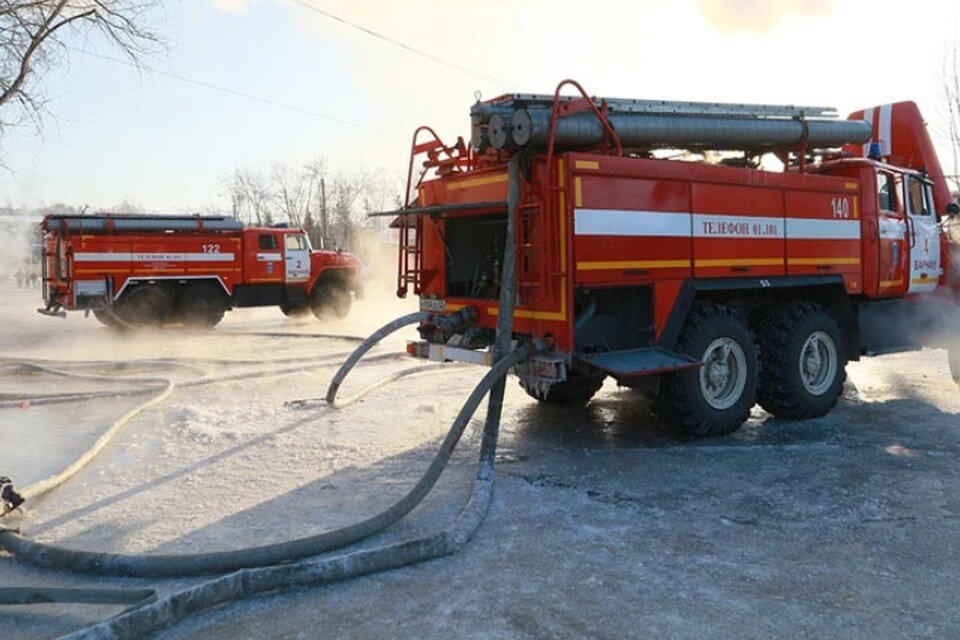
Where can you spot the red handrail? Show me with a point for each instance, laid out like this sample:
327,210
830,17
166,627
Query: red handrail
416,150
554,117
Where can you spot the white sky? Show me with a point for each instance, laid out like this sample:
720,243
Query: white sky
165,144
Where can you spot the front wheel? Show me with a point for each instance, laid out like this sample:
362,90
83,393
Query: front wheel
803,359
716,398
330,299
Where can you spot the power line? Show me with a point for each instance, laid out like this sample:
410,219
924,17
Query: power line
306,4
242,94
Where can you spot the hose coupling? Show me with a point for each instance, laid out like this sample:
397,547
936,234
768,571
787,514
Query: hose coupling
9,498
438,328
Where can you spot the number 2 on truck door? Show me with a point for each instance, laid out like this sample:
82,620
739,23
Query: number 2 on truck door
297,257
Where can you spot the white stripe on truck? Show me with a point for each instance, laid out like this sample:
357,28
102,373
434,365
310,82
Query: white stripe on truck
820,229
886,132
623,222
109,256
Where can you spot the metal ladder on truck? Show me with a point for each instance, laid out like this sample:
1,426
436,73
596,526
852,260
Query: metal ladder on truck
410,255
532,251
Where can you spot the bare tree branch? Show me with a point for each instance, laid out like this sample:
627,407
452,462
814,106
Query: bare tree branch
32,32
950,91
298,196
250,197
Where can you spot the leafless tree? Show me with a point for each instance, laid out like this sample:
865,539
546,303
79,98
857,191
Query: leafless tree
125,206
950,79
34,34
382,193
315,218
251,199
345,190
293,191
332,208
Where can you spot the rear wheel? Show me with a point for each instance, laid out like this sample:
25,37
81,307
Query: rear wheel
147,305
578,388
716,398
803,360
295,310
106,318
201,305
330,299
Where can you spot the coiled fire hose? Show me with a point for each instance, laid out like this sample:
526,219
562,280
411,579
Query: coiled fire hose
142,565
165,386
63,370
267,577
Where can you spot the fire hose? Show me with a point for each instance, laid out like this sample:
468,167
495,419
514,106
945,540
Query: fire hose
63,370
259,570
139,565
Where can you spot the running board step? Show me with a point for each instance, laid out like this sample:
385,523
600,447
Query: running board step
638,362
883,351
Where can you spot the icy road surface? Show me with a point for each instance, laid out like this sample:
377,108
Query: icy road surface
602,525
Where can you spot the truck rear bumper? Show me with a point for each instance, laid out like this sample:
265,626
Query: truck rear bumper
446,353
541,369
55,312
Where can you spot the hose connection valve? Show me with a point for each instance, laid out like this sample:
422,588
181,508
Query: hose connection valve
9,498
439,328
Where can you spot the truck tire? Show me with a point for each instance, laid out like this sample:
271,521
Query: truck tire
106,318
716,398
803,360
330,299
201,305
295,310
953,355
146,305
579,387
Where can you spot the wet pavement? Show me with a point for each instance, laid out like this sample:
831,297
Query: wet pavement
603,525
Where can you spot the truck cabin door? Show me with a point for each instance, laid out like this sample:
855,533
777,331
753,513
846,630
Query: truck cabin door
263,266
893,230
923,236
297,256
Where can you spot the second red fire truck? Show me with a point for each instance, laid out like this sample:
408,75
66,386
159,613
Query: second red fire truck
134,270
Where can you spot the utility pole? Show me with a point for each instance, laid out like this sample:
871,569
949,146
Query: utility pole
323,213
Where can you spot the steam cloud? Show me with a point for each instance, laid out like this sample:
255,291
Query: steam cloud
731,16
16,235
232,6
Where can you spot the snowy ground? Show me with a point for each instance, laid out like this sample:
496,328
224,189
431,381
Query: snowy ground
602,525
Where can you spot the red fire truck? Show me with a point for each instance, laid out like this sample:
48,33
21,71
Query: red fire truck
134,270
715,283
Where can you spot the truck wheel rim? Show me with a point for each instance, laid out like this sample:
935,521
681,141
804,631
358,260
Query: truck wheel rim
953,355
723,375
818,363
